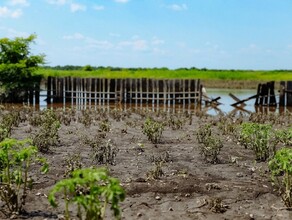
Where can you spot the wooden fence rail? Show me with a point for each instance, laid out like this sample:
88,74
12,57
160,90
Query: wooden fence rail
285,93
143,90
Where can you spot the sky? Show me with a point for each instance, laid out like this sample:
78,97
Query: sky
213,34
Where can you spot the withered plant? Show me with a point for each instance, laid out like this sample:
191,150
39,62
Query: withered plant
105,152
153,129
156,172
47,136
72,162
104,126
210,144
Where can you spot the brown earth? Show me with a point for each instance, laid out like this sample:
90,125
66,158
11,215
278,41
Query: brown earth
237,187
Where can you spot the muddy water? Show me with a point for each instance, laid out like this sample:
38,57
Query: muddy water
224,108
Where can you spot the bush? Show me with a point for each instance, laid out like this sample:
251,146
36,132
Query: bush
47,136
258,138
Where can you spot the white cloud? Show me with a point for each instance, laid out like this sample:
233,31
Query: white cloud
77,7
57,2
136,44
177,7
122,1
11,33
156,41
98,7
5,12
76,36
19,2
92,43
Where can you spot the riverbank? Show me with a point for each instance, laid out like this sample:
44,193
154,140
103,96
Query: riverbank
234,79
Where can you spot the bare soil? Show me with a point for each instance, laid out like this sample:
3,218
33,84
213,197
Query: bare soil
237,187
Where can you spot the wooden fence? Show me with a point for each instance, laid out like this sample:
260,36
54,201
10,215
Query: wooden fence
143,90
285,93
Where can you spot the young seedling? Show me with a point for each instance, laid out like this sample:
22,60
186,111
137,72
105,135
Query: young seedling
91,191
16,158
281,170
257,137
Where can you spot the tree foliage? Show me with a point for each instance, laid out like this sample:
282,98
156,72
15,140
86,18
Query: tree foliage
17,66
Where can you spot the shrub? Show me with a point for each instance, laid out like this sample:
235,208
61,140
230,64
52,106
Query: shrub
153,129
210,144
47,136
91,190
257,137
281,168
16,158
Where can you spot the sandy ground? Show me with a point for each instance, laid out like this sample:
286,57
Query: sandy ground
237,187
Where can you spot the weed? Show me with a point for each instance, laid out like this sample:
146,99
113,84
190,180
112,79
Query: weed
153,130
91,190
156,172
281,169
16,159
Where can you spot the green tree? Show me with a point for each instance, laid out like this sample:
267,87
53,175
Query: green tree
17,66
87,68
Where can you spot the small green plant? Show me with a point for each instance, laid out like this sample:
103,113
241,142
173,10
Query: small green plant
90,190
210,144
47,136
16,158
281,170
284,136
153,129
257,137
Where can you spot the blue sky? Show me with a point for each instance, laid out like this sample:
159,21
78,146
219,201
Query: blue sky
219,34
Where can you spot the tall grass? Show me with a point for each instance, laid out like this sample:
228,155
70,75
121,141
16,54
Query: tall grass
164,73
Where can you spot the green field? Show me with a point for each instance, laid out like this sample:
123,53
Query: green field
164,73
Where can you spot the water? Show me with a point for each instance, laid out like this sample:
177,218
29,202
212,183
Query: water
225,107
226,100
